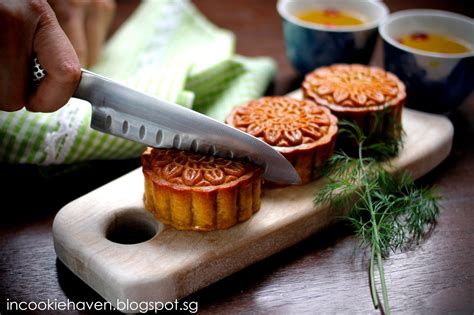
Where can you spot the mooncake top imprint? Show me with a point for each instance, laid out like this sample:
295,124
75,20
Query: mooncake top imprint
194,170
353,86
284,121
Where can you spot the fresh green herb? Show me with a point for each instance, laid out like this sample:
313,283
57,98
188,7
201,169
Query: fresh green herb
387,211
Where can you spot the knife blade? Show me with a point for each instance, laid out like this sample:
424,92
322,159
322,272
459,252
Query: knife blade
128,113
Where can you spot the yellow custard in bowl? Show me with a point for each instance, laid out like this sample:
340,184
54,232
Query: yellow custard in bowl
433,43
330,17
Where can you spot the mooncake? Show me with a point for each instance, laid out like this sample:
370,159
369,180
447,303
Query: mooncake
190,191
300,130
367,96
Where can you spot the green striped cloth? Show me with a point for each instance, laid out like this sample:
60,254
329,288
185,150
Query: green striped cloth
166,48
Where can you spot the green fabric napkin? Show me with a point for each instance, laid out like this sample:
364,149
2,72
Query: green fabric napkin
166,48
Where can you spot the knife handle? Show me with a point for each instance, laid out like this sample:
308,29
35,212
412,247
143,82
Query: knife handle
82,90
39,73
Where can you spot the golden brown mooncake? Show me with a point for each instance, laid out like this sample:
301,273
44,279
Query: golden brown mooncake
369,96
299,129
194,192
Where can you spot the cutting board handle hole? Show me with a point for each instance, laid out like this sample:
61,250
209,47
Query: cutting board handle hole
131,227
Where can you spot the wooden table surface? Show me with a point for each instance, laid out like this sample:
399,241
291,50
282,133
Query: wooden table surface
326,273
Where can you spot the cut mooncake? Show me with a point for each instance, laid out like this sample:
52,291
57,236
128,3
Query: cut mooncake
302,131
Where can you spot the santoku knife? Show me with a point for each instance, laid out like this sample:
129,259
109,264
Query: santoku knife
127,113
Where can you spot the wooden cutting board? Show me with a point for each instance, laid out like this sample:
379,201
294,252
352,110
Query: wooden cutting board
170,264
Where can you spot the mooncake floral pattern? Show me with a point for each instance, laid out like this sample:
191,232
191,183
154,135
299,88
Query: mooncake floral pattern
283,121
190,169
353,85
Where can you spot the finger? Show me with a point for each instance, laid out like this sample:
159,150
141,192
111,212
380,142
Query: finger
98,19
14,71
71,15
57,56
17,28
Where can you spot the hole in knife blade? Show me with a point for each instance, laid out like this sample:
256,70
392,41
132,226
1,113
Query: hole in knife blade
108,122
125,127
212,150
159,137
176,141
142,132
194,145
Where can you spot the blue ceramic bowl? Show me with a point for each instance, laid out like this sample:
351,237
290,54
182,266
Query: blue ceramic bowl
311,45
436,82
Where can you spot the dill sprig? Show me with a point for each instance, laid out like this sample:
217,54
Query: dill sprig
388,212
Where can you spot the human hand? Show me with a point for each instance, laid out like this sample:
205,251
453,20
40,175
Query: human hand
86,23
29,27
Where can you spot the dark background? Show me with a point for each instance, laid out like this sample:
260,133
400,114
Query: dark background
326,273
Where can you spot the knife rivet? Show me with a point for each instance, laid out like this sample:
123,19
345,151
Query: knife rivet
142,132
125,127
